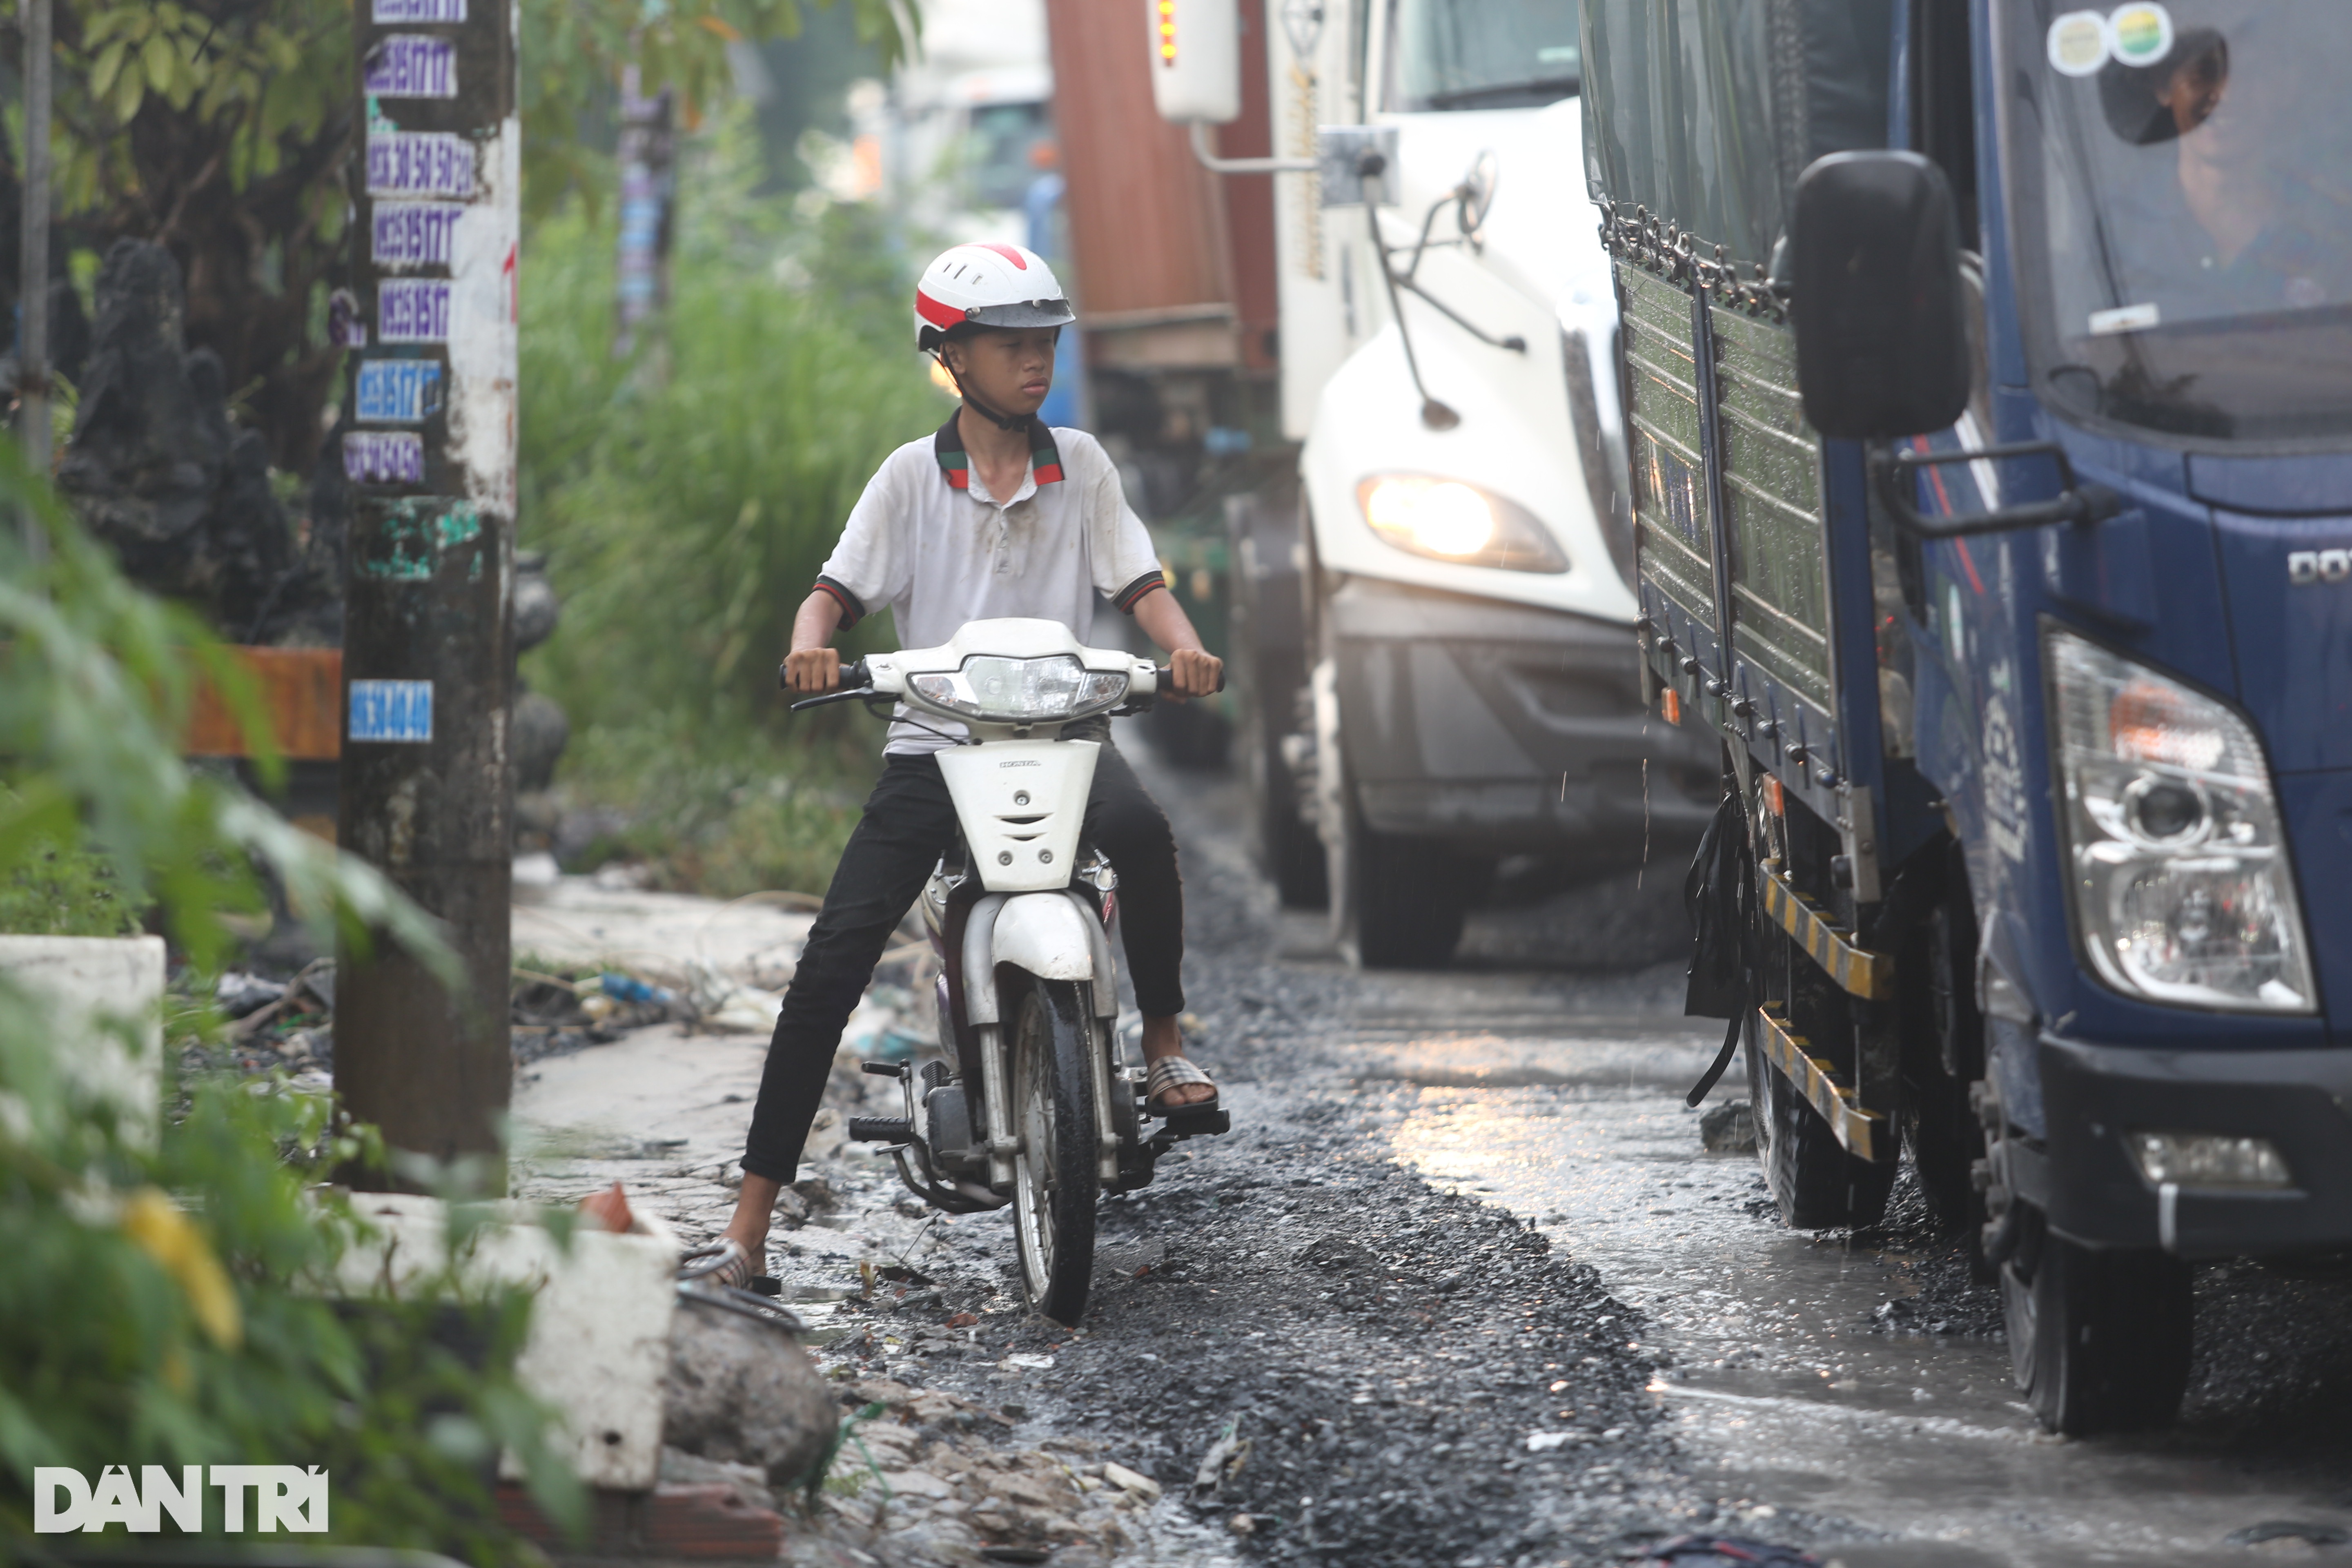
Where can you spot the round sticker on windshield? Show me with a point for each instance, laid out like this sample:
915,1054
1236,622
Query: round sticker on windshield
2140,35
2079,42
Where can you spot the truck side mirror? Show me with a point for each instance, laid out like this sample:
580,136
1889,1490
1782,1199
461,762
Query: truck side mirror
1196,60
1880,314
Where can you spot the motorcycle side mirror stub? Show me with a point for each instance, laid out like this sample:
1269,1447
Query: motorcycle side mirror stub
1879,308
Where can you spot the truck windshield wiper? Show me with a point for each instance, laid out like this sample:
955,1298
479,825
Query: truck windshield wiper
1561,86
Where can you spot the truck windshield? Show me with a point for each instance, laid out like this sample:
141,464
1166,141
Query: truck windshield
1480,54
2182,187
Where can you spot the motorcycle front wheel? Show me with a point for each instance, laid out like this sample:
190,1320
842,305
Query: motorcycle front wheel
1056,1174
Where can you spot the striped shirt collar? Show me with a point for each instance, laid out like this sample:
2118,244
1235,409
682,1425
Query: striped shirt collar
1045,457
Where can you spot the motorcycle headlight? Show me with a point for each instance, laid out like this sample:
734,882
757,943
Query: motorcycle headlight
2180,883
1021,690
1447,519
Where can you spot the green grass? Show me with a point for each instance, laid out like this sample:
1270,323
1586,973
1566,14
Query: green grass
752,815
687,502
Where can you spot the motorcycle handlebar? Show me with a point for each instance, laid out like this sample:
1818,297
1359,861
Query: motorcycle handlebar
855,680
1161,674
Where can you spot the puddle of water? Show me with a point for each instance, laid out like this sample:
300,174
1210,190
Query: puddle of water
1782,1391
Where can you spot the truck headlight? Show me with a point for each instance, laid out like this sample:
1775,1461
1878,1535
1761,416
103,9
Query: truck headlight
1447,519
2179,880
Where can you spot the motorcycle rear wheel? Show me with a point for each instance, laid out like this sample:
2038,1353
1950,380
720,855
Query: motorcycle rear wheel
1056,1177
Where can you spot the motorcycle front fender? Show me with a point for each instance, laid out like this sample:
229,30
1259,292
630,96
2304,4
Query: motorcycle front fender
1047,934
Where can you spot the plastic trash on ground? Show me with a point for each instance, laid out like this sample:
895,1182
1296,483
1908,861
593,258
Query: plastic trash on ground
728,1006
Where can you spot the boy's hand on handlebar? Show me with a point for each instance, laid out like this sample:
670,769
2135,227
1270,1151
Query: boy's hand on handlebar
813,670
1194,673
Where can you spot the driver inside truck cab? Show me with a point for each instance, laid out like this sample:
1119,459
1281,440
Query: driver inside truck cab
2257,218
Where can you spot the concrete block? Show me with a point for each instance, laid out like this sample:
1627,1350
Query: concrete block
105,999
600,1323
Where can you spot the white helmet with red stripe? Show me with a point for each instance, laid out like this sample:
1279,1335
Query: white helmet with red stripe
987,285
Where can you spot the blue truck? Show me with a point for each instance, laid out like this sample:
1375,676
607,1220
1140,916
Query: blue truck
1987,369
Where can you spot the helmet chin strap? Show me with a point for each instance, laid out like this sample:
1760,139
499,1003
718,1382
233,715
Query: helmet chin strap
1002,421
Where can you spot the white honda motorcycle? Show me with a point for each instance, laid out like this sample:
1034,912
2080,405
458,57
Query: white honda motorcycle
1033,1100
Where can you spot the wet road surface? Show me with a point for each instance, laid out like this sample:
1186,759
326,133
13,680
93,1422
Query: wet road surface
1467,1209
1791,1383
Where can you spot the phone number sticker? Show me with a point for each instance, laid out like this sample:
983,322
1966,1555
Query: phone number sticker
413,64
399,712
383,458
420,164
398,391
413,311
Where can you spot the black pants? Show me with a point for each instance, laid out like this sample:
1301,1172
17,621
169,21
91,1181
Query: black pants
909,823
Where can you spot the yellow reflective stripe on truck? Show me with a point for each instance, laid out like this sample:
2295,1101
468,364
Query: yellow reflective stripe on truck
1856,969
1856,1129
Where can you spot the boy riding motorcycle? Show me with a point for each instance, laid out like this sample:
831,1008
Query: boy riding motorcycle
993,515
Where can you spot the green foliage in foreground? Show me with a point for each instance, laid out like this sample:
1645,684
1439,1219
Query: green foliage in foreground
159,1299
688,502
94,692
64,890
134,1331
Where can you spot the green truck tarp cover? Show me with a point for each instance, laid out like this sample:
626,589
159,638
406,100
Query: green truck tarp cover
1705,111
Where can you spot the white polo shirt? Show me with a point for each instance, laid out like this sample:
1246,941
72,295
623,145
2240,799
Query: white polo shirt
929,541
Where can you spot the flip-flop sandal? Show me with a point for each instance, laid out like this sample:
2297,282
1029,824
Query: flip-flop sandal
1175,1072
722,1262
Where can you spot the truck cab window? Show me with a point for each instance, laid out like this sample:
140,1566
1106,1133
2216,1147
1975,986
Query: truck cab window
2184,225
1480,54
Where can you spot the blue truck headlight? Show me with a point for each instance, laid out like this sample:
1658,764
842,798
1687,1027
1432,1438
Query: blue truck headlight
1446,519
2180,881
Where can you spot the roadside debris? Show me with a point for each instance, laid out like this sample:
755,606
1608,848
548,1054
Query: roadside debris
730,1007
936,1468
609,1208
1128,1480
239,994
743,1393
1225,1460
1728,1129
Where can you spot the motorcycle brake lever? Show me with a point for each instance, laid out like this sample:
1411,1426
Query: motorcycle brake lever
846,694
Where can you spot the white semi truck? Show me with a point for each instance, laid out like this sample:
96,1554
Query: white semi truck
1435,644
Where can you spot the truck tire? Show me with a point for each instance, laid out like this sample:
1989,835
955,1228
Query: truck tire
1939,1125
1818,1184
1269,687
1283,842
1397,902
2099,1340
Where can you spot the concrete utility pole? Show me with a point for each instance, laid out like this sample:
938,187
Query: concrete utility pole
428,653
33,265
